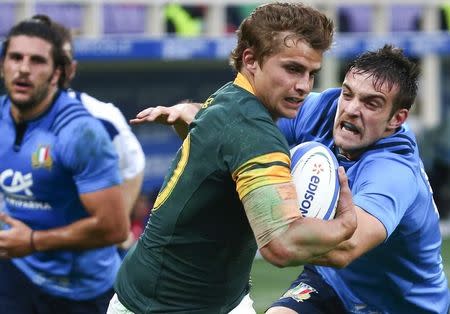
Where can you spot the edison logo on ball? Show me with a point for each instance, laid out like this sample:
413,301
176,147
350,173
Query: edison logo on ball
308,197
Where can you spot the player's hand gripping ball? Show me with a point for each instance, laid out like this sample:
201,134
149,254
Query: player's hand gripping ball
314,172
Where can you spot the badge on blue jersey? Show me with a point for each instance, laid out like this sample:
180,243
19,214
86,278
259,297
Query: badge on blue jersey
41,158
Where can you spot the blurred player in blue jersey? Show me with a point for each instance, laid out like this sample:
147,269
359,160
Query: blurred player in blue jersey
64,209
392,264
131,156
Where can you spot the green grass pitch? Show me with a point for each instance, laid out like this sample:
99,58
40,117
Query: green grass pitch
270,282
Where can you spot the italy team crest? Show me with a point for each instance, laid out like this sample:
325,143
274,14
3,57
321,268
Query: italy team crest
41,158
300,293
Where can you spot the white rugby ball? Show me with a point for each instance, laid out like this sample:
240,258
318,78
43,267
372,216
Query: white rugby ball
314,172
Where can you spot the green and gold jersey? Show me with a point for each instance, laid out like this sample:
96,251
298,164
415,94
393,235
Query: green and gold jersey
197,250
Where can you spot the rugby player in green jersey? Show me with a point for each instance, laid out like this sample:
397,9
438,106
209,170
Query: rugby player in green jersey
229,190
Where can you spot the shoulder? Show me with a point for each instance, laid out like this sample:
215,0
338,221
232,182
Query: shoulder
68,113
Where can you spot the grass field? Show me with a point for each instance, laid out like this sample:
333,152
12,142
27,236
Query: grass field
270,282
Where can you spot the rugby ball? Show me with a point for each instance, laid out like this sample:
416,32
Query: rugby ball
314,172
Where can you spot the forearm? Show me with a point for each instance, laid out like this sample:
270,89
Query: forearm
86,233
369,233
287,239
338,258
307,239
107,223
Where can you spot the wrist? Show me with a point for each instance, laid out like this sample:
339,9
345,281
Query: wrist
32,243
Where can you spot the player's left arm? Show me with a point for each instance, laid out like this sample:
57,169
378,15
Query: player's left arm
369,233
107,224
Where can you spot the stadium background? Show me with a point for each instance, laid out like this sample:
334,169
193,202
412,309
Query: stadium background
141,53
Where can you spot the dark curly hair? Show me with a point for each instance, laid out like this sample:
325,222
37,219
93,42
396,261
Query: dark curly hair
41,26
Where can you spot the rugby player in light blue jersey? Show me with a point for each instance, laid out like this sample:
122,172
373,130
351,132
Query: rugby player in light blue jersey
392,264
59,175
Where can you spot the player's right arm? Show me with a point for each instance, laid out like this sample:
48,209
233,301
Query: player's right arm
369,233
284,237
179,116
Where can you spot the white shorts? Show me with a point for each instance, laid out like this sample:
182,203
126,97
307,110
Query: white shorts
115,307
245,307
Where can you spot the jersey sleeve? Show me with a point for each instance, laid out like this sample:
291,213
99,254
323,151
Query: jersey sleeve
86,150
256,154
385,188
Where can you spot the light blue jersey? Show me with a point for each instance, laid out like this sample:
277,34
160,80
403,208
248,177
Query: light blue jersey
44,165
404,274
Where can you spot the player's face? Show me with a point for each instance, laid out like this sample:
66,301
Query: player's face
364,114
284,79
29,72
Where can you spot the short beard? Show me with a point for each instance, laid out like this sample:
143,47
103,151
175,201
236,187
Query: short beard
34,101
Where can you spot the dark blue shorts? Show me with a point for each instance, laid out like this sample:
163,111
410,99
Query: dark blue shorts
310,294
18,295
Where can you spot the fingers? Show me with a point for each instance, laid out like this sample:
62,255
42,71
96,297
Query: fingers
345,209
4,217
344,187
345,202
160,114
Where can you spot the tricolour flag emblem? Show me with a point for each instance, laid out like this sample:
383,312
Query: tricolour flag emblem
41,157
300,293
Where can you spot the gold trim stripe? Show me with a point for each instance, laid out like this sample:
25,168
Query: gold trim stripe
165,193
272,168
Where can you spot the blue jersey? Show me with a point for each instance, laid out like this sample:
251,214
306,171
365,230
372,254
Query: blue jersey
44,165
404,274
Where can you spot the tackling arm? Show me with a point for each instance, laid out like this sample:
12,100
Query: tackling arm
287,239
369,233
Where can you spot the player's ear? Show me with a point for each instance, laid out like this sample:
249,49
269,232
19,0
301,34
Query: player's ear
398,118
248,60
54,79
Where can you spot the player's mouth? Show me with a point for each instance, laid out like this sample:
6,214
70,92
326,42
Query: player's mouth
22,85
349,127
294,101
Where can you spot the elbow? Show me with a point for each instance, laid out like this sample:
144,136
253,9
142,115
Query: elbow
119,237
340,261
117,233
279,255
